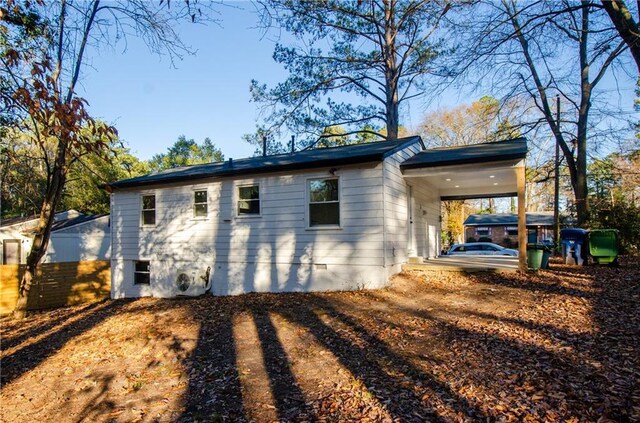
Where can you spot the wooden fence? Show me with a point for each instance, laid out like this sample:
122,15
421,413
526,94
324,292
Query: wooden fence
56,284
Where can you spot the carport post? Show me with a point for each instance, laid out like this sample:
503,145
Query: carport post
522,219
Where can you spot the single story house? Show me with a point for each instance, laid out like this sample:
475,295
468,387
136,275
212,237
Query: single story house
337,218
502,228
74,237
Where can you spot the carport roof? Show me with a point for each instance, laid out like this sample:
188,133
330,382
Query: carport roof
477,153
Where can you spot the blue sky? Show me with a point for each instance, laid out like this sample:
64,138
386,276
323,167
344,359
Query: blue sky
151,103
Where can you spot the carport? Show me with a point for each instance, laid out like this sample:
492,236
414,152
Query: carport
487,170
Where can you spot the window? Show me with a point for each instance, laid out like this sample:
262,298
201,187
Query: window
324,203
148,209
489,248
142,273
511,230
200,206
483,231
249,200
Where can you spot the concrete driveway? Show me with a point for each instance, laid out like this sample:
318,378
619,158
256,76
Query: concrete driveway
461,263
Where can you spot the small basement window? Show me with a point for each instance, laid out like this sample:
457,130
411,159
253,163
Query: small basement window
149,209
324,202
142,273
249,200
200,205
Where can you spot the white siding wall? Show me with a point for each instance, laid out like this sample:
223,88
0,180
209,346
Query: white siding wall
274,252
88,241
426,211
426,219
396,211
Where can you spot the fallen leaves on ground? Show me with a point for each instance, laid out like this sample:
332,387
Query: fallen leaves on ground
557,345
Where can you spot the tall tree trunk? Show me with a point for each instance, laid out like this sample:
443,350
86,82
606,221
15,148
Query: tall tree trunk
580,187
577,166
391,71
43,231
625,24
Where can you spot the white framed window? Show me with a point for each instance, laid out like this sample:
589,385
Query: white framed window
200,204
142,272
148,209
249,200
324,202
483,230
511,230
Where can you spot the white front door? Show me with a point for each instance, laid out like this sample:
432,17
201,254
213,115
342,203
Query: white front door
11,251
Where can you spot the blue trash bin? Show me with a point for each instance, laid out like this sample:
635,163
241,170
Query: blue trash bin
574,245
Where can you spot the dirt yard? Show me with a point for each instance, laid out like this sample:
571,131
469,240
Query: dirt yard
560,345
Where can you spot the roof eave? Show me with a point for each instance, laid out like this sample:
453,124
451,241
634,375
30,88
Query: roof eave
471,160
374,157
411,140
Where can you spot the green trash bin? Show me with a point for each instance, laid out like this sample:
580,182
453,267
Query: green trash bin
603,245
534,256
546,253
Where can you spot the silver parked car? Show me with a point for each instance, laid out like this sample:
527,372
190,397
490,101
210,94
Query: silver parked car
481,249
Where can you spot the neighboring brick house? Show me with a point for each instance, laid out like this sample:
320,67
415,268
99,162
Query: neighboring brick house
502,228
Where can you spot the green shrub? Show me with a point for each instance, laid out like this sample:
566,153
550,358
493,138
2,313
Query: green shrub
623,216
471,239
485,239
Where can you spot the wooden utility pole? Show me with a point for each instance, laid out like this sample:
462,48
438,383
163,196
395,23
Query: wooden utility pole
522,218
556,191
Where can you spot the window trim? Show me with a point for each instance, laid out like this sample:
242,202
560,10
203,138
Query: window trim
237,200
193,203
508,229
307,190
136,272
142,209
477,232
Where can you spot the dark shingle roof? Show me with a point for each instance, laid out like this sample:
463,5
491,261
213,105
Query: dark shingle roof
68,223
16,220
476,153
58,218
508,219
63,224
306,159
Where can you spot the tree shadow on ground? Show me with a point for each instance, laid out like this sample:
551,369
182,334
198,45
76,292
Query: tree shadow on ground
214,392
485,366
289,398
591,371
387,375
67,327
544,282
616,312
416,362
32,330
